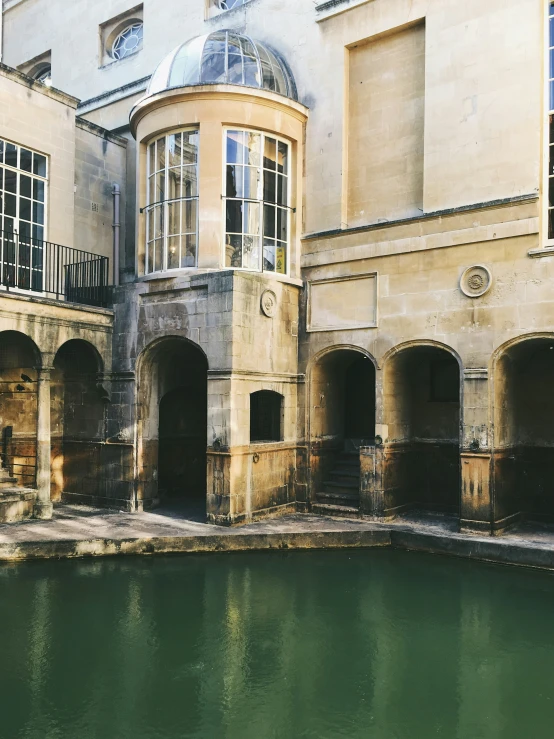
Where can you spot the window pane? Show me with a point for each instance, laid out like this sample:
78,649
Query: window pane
251,218
551,192
270,187
551,75
2,176
9,205
270,153
173,249
251,178
24,230
158,255
282,190
282,157
190,147
10,180
551,31
253,147
189,185
26,160
25,186
2,146
269,255
174,149
11,155
160,154
234,180
233,251
174,184
150,258
188,247
152,190
251,253
282,224
234,216
235,69
174,218
38,233
551,86
235,147
152,165
159,227
160,187
38,213
189,216
150,227
39,165
269,221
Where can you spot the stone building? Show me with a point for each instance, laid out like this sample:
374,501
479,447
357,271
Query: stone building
331,249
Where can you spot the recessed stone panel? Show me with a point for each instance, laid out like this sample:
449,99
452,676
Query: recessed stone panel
342,303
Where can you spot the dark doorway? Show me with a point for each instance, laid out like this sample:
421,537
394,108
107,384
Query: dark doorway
182,431
359,400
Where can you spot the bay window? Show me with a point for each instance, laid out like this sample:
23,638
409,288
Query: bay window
172,202
257,201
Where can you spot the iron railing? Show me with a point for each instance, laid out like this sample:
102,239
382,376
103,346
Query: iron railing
53,271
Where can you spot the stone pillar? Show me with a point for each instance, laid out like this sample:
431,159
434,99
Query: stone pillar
43,505
475,454
372,501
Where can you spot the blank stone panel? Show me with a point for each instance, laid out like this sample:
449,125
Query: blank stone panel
386,127
342,303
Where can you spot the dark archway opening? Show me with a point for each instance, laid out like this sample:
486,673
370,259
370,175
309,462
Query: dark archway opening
77,426
182,426
422,416
524,433
342,419
19,359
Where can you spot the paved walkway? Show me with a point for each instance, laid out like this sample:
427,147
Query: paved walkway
79,531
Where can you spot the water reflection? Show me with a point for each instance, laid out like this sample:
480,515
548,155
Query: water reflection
380,644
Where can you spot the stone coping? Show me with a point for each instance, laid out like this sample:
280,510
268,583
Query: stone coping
80,531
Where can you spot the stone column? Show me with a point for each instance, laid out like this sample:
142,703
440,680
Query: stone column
43,505
475,456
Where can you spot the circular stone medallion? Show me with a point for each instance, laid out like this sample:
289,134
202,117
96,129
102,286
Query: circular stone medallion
476,281
268,303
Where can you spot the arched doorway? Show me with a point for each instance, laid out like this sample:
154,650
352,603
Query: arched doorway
342,419
77,425
524,432
19,361
174,400
422,416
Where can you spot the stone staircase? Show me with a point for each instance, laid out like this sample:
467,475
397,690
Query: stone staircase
16,503
341,491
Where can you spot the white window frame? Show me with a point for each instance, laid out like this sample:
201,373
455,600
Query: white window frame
150,206
288,207
213,10
16,219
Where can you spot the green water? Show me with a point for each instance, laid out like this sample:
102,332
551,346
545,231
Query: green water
322,645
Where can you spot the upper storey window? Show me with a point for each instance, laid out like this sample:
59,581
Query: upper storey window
257,202
172,210
551,123
218,6
44,75
128,41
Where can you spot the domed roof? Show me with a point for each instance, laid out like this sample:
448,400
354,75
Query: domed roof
223,57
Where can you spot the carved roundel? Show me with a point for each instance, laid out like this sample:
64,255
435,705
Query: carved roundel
476,281
268,303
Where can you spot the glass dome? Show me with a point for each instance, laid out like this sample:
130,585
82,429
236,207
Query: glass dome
223,57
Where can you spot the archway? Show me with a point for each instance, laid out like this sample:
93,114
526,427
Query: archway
422,417
173,426
77,425
524,432
342,418
19,361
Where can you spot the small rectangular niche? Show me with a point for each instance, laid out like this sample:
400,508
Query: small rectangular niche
342,303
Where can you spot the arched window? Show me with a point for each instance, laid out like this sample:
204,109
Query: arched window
172,197
227,4
44,75
257,202
266,416
128,41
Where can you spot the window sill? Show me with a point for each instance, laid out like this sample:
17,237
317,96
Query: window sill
545,251
110,64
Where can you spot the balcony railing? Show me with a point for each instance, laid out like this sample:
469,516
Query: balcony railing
49,270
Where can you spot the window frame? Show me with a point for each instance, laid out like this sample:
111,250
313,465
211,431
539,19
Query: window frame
150,206
213,11
288,207
32,241
278,412
128,27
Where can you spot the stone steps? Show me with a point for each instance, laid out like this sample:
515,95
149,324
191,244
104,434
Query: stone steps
341,491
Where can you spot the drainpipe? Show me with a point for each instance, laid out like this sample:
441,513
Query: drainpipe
116,192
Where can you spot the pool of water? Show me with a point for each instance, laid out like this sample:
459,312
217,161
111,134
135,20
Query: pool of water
304,645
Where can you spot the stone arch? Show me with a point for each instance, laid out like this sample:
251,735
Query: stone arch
422,427
172,423
522,374
77,422
340,420
20,362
